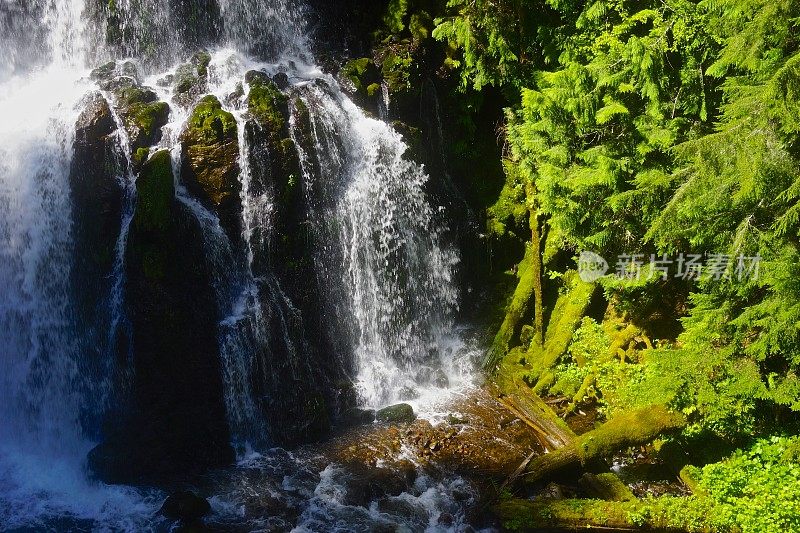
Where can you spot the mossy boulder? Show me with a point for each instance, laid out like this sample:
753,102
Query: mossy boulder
267,104
155,195
143,115
275,168
396,414
210,161
155,191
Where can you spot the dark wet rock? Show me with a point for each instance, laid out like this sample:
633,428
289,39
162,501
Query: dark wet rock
446,519
104,72
107,72
313,421
97,199
176,422
410,511
97,193
235,97
210,161
356,416
395,414
284,252
186,506
365,484
413,139
281,80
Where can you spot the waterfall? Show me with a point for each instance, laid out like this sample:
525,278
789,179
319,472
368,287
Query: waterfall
396,271
372,318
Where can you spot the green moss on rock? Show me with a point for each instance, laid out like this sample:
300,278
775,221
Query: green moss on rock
210,160
395,414
190,78
267,104
142,114
155,190
664,513
209,123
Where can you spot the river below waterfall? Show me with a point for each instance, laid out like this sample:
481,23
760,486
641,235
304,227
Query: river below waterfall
184,326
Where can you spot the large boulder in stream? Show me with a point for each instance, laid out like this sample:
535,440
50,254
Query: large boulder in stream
185,506
176,422
396,414
210,161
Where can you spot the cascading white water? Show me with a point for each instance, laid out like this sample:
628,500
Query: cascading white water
396,269
46,386
267,28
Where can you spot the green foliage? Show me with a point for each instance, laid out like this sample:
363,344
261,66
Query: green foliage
758,488
652,128
490,41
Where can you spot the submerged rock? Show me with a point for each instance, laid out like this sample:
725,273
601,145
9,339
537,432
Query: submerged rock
186,506
210,161
402,412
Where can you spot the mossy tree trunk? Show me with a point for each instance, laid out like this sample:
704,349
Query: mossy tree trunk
529,289
536,265
659,514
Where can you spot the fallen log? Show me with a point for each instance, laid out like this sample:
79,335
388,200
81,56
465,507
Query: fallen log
661,514
510,390
633,428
